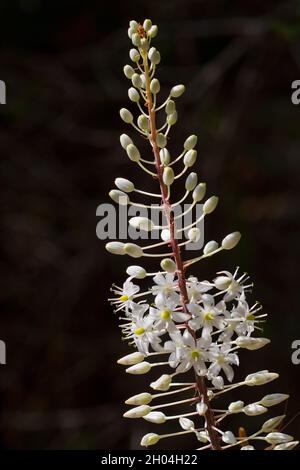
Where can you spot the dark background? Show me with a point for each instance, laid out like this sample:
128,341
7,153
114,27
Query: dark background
59,146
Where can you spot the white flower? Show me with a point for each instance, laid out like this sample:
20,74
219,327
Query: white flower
166,286
195,288
208,316
125,295
164,315
221,359
228,283
190,353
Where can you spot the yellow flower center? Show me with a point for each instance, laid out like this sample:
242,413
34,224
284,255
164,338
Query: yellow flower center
195,354
124,298
250,317
220,360
209,316
139,331
165,314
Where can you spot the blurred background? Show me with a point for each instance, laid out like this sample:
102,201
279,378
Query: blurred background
59,144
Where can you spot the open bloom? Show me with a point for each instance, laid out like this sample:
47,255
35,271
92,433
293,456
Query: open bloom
195,288
165,287
231,284
221,359
125,295
164,315
207,316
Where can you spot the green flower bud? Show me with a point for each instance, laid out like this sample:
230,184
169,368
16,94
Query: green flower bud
190,142
154,86
147,24
136,271
153,31
167,264
126,115
190,158
177,91
210,205
170,107
125,140
143,123
119,197
116,248
133,95
133,24
199,192
144,44
140,399
136,40
172,118
136,80
133,250
133,153
161,140
154,56
231,240
191,182
128,71
124,185
165,156
210,247
134,55
168,176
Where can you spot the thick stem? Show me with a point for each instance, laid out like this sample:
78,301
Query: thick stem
200,382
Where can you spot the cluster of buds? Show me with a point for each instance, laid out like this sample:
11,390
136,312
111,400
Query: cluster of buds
175,321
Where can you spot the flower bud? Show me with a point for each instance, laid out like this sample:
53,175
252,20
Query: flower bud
272,423
153,31
172,118
222,282
168,265
136,80
143,123
116,248
194,234
236,406
137,412
133,95
134,55
210,247
228,437
150,439
125,140
144,44
162,383
286,445
140,399
131,359
156,417
170,107
137,272
273,399
199,192
128,71
210,205
155,86
201,408
260,378
168,176
278,438
254,409
202,436
165,156
186,424
190,142
165,235
147,24
191,181
126,115
133,24
136,40
119,197
141,223
124,185
247,448
231,240
154,56
133,153
161,140
190,158
251,343
133,250
138,369
177,91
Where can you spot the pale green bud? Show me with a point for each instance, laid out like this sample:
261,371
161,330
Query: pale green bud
124,185
136,271
194,234
277,438
162,383
272,423
134,55
125,140
133,250
286,445
144,44
177,91
136,80
140,399
199,192
170,107
156,417
153,31
165,156
128,71
131,359
161,140
126,115
231,240
167,264
139,369
210,247
133,153
168,176
201,408
116,248
119,197
260,378
252,344
254,409
154,56
147,24
143,123
133,95
141,223
172,118
273,399
186,424
236,406
190,142
137,412
136,40
190,158
133,24
155,86
191,182
210,205
228,437
150,439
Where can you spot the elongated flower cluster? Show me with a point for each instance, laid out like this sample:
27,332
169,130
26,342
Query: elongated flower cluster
176,322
